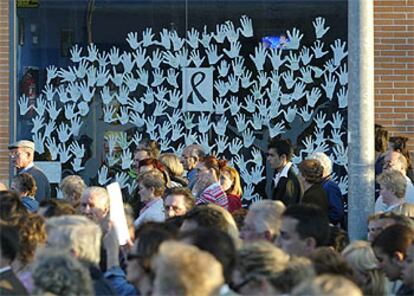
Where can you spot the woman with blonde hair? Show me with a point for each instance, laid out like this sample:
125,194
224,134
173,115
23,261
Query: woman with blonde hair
151,188
230,182
393,186
174,168
360,256
72,188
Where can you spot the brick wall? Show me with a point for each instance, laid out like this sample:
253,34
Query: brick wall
4,89
394,66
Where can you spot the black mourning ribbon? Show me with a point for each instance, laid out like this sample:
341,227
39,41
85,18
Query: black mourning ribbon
195,81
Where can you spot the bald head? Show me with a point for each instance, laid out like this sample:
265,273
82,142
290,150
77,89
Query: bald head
396,161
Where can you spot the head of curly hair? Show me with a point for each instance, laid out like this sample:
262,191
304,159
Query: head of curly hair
311,170
32,232
57,273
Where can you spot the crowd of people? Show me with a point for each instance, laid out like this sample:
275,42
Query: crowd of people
189,233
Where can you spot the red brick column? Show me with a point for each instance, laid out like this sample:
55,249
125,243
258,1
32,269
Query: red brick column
394,66
4,89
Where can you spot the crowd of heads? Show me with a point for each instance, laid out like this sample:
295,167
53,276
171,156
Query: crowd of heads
180,246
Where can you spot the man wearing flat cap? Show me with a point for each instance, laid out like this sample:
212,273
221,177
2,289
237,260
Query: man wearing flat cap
22,156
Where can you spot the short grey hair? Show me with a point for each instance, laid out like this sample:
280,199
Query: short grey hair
195,151
324,160
72,188
76,233
268,215
59,273
101,192
182,269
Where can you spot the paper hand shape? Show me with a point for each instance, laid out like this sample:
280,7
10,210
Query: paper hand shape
38,140
294,39
64,153
246,26
339,52
24,105
317,49
248,138
319,25
188,121
342,97
212,55
75,53
277,129
192,38
259,57
52,147
235,146
329,85
37,123
103,176
221,126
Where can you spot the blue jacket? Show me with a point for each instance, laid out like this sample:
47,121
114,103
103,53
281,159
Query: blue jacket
336,204
31,204
116,276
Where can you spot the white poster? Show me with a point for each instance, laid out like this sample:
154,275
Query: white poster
117,213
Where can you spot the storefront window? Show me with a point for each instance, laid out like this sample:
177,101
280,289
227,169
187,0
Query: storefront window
95,77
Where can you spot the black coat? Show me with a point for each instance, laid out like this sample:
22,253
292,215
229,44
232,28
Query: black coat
10,284
316,195
288,190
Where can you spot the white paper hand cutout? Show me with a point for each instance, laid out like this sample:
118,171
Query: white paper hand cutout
52,147
103,176
259,57
24,105
247,26
339,52
342,95
294,39
319,25
132,40
38,140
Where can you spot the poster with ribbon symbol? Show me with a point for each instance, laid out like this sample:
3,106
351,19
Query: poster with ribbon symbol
198,89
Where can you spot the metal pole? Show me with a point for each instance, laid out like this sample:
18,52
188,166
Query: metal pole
360,116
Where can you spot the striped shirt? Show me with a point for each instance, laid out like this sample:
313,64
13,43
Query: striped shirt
213,194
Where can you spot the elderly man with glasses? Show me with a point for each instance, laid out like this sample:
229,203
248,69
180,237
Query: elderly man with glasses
22,156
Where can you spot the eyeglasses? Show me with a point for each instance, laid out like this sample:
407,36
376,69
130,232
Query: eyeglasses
133,256
14,154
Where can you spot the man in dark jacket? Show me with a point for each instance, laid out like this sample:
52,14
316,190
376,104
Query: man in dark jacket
287,187
22,156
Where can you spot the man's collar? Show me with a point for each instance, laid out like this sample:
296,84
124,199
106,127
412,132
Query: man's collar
389,208
285,170
28,167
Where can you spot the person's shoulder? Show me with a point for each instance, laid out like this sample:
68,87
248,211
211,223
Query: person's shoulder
36,169
292,174
329,183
